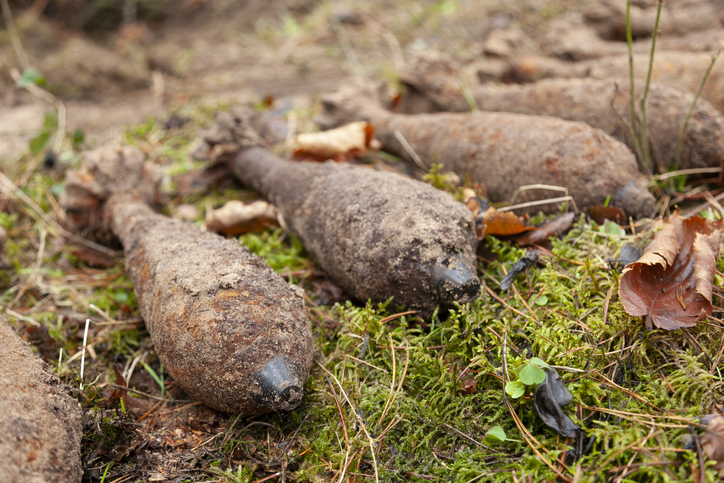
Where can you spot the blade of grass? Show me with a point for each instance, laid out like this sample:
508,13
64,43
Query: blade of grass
680,142
159,380
644,122
634,116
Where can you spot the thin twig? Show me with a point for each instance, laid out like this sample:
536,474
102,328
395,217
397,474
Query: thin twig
472,440
82,358
145,394
392,384
549,201
703,206
399,385
359,419
14,37
714,203
683,172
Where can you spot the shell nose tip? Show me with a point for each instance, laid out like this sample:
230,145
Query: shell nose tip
281,386
454,280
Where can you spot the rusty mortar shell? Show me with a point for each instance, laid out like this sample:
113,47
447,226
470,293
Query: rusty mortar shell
376,234
432,85
505,151
40,422
228,329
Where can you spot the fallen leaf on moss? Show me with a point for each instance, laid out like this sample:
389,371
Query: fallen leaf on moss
600,214
672,281
503,223
713,443
549,397
339,144
235,217
555,227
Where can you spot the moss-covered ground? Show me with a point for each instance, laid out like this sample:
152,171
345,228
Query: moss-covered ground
390,397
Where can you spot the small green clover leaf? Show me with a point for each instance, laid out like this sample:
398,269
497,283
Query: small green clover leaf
495,435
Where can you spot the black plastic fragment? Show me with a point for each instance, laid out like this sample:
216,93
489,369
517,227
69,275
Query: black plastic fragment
549,397
50,159
520,266
629,254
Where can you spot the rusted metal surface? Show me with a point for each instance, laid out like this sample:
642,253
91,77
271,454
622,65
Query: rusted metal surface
604,104
376,234
680,70
40,422
506,151
229,330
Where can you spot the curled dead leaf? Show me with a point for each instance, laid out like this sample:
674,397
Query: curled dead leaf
555,227
342,143
600,214
235,217
672,281
477,207
712,442
503,223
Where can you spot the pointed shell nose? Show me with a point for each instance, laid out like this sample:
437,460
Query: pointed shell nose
281,385
454,280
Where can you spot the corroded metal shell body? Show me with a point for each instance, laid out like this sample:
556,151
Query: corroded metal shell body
229,330
506,151
603,103
376,234
218,315
40,423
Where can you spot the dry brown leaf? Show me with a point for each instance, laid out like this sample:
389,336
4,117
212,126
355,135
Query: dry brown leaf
476,205
672,281
342,143
600,214
540,234
503,223
235,217
713,443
